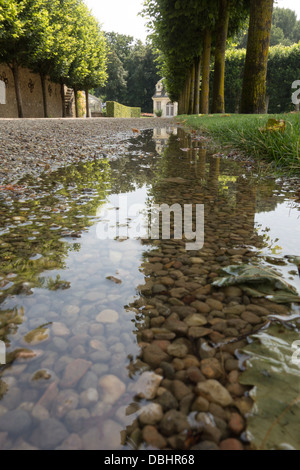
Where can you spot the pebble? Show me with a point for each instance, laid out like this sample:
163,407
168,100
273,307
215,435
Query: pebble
147,385
231,444
15,422
211,368
49,434
154,355
74,371
195,320
112,389
107,316
236,423
214,392
153,438
151,414
174,422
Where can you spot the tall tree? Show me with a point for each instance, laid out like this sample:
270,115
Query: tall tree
22,24
255,73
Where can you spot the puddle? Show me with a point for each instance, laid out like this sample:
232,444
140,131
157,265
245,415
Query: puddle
110,342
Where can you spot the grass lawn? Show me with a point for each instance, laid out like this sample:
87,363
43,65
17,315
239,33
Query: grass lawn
249,134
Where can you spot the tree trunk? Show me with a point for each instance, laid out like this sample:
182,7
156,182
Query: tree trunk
87,103
197,85
15,70
218,102
255,72
204,102
76,101
45,104
192,89
62,92
181,103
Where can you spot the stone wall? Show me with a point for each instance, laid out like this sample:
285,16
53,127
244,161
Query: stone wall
32,98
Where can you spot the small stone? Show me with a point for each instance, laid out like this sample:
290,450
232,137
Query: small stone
147,385
74,371
112,388
75,419
233,291
15,422
195,375
154,356
205,445
251,318
197,332
151,414
111,439
107,316
167,401
179,389
73,442
211,368
59,329
179,292
66,400
195,320
88,397
236,423
234,310
40,413
49,434
214,392
200,404
174,422
202,307
153,438
231,444
215,304
177,350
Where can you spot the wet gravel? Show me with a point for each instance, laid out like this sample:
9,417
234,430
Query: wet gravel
33,146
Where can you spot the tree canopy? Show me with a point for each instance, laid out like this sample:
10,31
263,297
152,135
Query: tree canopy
57,38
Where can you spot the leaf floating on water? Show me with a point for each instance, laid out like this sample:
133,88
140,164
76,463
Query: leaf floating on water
114,279
275,374
259,282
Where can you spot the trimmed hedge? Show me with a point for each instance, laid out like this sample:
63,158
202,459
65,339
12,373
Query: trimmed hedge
117,110
283,70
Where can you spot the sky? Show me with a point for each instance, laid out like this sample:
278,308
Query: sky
121,16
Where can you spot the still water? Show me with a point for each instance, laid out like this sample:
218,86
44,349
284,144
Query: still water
107,339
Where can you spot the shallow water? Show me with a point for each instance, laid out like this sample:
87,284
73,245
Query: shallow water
78,312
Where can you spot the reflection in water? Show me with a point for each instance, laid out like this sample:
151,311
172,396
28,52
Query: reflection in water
108,339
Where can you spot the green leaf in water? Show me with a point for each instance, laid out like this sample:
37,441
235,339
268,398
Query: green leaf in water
275,374
259,281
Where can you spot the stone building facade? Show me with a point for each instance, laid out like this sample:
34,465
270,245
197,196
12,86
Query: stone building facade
161,101
31,90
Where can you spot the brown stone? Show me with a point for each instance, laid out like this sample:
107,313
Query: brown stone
236,423
153,438
231,444
211,368
74,372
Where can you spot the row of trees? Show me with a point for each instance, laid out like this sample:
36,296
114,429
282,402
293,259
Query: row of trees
188,32
55,38
132,72
283,69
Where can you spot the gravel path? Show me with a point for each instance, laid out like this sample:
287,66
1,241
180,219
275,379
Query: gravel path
32,146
